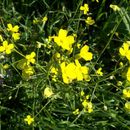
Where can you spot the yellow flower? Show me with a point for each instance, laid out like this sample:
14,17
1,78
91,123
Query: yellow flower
127,106
54,70
74,71
81,72
16,36
6,47
76,112
12,29
68,72
89,21
47,92
44,19
87,106
126,92
99,72
115,7
63,40
30,58
128,74
85,8
82,93
85,103
85,54
6,66
29,120
124,50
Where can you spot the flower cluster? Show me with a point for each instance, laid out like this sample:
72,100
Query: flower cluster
87,105
125,52
71,70
74,71
25,65
14,31
85,10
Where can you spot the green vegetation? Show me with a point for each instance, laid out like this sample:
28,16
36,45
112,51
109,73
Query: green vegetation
64,65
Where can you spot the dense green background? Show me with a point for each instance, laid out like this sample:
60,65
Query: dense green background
20,98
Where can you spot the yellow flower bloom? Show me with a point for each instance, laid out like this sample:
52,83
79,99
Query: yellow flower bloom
85,8
124,50
76,112
127,106
87,106
44,19
16,36
54,70
12,29
63,40
115,7
74,71
68,72
90,107
126,92
30,58
85,103
85,54
47,92
89,21
99,72
82,93
81,72
6,47
29,120
6,66
128,74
